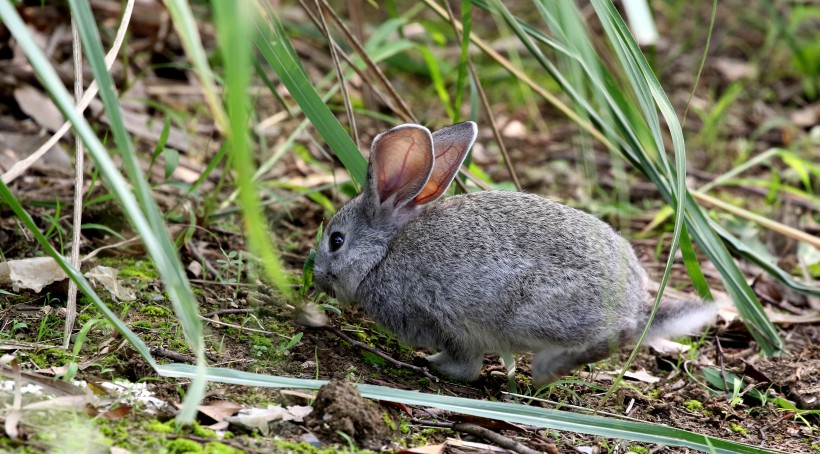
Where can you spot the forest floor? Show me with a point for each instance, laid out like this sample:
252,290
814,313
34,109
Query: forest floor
740,110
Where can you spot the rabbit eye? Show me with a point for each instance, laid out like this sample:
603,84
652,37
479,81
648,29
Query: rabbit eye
336,241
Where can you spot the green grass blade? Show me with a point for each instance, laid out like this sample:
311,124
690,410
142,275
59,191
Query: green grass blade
504,411
273,45
185,24
234,37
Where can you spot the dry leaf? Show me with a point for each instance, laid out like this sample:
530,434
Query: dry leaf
806,117
668,347
107,278
258,418
642,375
429,449
469,444
218,410
38,106
733,69
116,413
33,274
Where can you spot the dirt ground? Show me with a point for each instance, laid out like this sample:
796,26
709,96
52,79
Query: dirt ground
250,328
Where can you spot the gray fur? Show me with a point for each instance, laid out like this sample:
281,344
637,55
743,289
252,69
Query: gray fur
495,271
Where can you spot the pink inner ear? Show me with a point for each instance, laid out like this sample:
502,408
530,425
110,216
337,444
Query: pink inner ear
403,161
447,157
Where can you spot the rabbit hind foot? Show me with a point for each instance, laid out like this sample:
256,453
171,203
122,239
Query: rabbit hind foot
551,364
464,367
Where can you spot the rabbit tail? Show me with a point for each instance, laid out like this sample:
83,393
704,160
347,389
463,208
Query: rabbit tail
680,318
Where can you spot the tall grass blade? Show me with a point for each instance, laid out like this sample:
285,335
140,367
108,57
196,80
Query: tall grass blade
504,411
274,46
234,39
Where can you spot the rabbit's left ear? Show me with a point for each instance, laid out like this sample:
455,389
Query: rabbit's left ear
450,146
401,160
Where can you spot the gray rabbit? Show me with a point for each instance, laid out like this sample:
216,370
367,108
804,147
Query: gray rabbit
489,271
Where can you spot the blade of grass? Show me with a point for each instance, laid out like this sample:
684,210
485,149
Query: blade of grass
504,411
273,45
234,39
185,24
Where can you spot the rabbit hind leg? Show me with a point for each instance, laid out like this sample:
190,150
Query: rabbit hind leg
464,366
550,364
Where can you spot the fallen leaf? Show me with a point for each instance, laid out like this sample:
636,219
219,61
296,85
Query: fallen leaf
642,375
117,413
668,347
107,278
33,273
429,449
38,106
733,69
806,117
221,425
195,269
258,418
218,410
469,444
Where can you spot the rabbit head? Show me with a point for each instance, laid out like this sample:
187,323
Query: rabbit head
408,167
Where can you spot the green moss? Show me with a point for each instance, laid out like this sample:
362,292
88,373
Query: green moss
693,405
200,431
373,359
739,429
141,269
155,311
142,324
304,448
182,445
637,449
215,447
156,426
815,447
389,421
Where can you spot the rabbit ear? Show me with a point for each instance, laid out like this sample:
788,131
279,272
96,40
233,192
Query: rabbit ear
451,145
401,160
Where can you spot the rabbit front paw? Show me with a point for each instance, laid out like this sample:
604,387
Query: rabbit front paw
460,367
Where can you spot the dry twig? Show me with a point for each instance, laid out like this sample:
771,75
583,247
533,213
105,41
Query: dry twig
339,333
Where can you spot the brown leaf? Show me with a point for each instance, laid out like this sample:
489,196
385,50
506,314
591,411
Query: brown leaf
218,410
39,107
733,69
117,413
429,449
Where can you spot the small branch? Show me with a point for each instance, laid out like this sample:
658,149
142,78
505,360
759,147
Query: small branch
165,353
340,334
487,434
201,259
497,438
227,312
77,216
